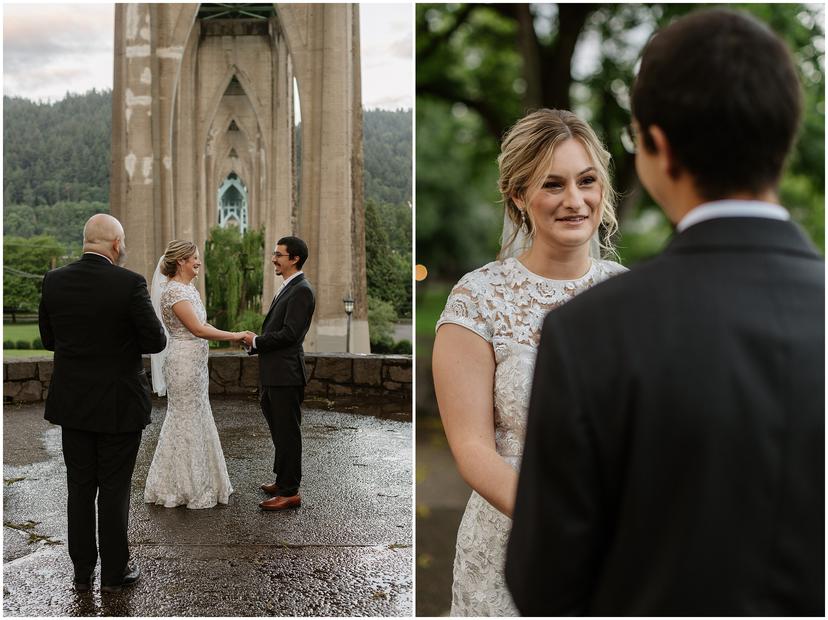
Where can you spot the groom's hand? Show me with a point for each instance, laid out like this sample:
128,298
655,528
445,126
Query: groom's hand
248,339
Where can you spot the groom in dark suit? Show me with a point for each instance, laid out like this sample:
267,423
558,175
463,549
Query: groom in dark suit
98,319
282,374
674,460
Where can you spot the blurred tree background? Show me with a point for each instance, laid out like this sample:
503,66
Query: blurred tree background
480,67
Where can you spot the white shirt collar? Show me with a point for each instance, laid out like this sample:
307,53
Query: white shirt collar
298,273
732,208
101,255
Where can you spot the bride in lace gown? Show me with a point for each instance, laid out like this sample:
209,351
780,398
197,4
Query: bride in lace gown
188,467
555,184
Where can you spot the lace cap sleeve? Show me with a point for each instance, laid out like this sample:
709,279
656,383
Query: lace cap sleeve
467,306
173,293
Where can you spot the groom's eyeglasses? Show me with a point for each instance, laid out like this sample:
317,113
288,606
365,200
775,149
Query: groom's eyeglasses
279,254
629,138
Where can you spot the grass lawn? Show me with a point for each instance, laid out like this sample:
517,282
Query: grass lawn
18,353
20,331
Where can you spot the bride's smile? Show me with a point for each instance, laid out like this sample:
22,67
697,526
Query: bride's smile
562,210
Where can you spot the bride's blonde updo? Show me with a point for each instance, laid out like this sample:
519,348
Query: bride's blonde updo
176,251
526,156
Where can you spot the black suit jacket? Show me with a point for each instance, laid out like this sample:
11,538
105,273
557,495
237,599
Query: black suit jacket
674,459
281,356
98,319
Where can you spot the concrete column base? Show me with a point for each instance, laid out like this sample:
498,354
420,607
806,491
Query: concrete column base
331,334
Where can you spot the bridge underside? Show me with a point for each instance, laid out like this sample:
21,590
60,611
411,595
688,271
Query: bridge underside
204,95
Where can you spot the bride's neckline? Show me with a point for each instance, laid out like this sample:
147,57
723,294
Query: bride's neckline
526,270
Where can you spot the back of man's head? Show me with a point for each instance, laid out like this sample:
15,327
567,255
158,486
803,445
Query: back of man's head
100,230
723,89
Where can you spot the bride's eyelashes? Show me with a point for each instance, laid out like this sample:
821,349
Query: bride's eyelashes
556,185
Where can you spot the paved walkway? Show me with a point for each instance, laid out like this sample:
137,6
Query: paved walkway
346,552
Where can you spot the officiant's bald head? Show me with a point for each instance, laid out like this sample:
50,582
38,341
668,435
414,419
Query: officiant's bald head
104,234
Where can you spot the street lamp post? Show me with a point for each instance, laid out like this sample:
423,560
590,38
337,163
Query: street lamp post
349,308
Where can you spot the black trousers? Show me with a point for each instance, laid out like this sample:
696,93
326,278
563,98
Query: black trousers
281,406
99,464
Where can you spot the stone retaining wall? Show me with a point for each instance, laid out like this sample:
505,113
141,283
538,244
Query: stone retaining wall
333,376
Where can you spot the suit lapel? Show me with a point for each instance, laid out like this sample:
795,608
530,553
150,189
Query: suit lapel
281,296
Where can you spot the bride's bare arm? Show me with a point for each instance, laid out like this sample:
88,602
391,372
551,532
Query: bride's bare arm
184,311
463,366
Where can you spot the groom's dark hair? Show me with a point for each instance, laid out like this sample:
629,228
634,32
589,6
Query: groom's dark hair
723,88
295,247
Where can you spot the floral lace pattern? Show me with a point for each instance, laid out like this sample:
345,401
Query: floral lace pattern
188,466
505,304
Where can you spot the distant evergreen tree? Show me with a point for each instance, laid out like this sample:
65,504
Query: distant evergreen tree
55,152
387,143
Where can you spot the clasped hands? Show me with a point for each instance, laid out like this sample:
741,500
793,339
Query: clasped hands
246,338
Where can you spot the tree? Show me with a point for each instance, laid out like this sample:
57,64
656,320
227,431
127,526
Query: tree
480,67
234,276
25,262
388,270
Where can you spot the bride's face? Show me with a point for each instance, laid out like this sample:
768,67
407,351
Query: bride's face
188,269
566,211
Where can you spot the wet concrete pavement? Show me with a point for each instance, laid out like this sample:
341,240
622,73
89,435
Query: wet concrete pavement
346,552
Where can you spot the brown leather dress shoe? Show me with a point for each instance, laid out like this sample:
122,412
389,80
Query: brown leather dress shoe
281,503
272,488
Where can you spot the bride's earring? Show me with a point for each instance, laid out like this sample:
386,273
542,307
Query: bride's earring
523,219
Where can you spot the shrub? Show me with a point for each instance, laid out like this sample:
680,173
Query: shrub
37,343
381,319
403,347
23,344
249,320
8,344
382,347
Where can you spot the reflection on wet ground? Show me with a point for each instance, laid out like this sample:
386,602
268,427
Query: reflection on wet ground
346,551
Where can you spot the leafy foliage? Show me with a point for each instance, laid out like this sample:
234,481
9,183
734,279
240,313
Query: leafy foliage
55,152
388,269
387,152
63,220
480,67
25,263
381,317
234,276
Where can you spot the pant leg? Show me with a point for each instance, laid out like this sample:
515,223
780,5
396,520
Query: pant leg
80,456
267,411
285,420
116,462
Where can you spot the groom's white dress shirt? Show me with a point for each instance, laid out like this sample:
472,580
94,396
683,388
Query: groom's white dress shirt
279,292
732,208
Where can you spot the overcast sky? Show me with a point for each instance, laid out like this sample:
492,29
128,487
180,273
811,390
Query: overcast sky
52,49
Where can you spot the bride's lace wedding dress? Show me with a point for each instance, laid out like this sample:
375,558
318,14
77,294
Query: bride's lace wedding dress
188,466
505,304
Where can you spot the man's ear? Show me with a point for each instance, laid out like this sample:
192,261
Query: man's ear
664,150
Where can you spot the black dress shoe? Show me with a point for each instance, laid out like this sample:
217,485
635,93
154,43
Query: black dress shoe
131,575
83,583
